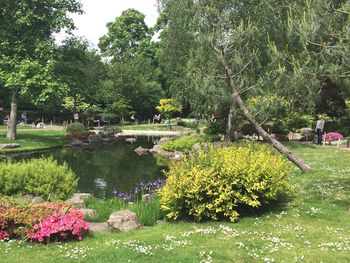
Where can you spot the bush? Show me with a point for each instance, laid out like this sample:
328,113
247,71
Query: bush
59,227
42,177
43,223
109,131
217,183
189,124
182,144
77,130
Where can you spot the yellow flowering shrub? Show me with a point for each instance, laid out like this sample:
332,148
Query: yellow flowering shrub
215,184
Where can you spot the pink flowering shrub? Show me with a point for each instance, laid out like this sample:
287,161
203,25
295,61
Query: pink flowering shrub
43,222
60,227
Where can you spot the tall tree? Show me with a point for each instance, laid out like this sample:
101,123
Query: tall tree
81,69
230,56
134,79
26,61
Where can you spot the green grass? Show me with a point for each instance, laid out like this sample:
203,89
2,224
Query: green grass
20,127
313,225
34,140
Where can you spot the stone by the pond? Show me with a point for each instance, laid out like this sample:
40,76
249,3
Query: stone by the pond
76,142
164,140
178,156
99,227
123,221
89,213
9,146
78,199
131,140
141,151
196,147
94,138
37,200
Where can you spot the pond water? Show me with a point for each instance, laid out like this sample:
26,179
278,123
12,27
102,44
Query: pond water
107,167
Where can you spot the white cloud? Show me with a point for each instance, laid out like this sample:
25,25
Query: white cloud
97,13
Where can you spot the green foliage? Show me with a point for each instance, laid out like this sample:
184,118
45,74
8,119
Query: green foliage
216,127
189,124
182,144
77,129
217,183
168,106
42,177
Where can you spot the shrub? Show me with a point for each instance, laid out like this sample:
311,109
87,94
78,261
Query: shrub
77,130
217,183
216,127
189,124
42,177
59,226
109,131
18,217
182,144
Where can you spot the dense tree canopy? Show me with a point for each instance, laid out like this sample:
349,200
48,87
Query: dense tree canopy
26,62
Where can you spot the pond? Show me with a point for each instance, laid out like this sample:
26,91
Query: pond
107,167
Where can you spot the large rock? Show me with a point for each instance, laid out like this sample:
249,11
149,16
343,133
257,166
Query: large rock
292,136
9,146
123,221
37,200
141,151
78,199
307,134
178,156
88,213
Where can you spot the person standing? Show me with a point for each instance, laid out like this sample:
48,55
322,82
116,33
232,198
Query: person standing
319,129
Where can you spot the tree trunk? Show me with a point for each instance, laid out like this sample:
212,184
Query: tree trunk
230,127
267,137
12,124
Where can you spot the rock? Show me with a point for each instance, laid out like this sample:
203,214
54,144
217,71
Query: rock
306,132
294,136
196,147
141,151
76,142
178,156
88,213
9,146
28,198
78,199
131,140
37,200
123,221
164,140
99,227
94,138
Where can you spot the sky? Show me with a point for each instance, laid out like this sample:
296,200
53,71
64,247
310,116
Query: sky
97,13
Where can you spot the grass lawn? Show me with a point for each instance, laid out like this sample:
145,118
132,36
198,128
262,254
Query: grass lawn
34,140
311,226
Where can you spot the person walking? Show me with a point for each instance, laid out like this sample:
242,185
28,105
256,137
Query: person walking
319,129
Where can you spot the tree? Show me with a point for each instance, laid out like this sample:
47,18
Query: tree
134,80
167,107
82,70
229,59
26,61
125,34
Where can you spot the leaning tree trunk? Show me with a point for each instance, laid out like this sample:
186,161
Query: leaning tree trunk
12,123
266,136
230,127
